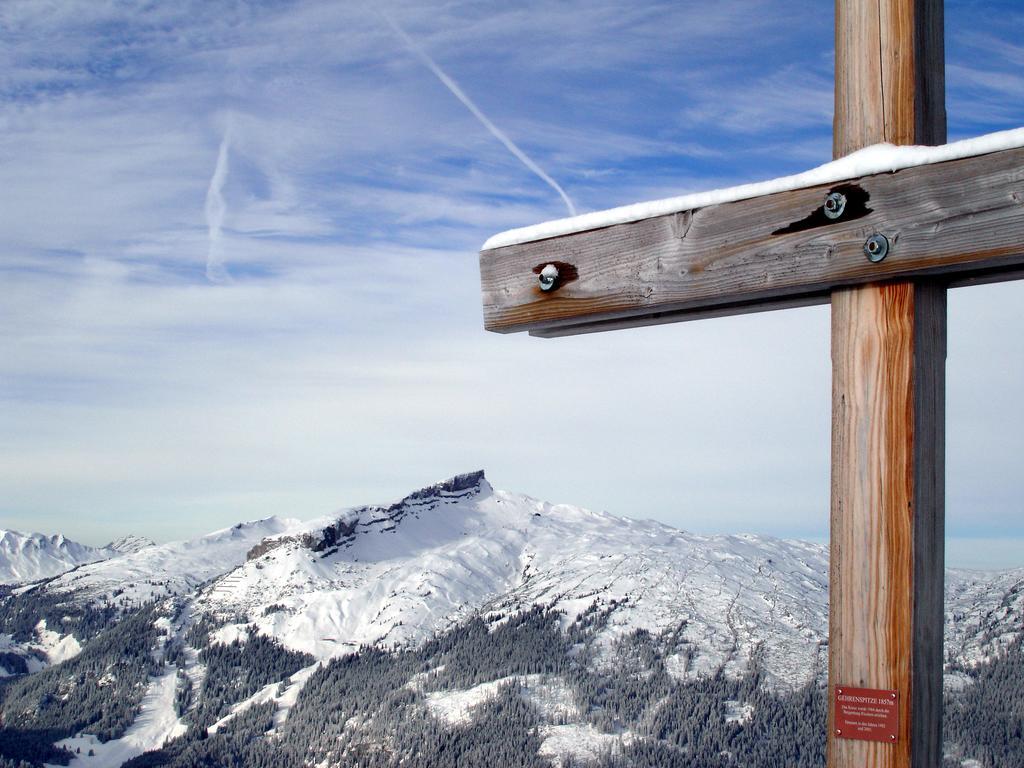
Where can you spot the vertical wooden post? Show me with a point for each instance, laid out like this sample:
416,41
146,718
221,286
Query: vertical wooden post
888,410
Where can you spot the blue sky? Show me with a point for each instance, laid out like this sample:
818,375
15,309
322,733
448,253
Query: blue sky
337,355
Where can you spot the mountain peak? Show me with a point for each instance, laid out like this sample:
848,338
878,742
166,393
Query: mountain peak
460,485
340,529
130,543
28,557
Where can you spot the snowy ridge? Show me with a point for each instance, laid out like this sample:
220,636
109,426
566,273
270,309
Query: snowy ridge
395,575
372,575
130,543
879,158
167,570
26,557
339,530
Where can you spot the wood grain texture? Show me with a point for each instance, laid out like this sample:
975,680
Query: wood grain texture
956,218
888,400
1000,274
888,406
890,74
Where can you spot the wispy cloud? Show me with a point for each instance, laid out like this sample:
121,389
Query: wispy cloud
216,207
457,92
344,360
984,88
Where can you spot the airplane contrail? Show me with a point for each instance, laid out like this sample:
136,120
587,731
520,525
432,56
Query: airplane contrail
461,95
215,209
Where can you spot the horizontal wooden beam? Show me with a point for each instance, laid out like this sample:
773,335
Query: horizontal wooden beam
963,219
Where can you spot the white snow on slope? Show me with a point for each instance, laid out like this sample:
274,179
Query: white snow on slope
44,649
26,557
56,646
983,613
738,711
284,697
230,633
169,569
130,543
396,575
880,158
552,697
156,724
404,572
456,707
581,741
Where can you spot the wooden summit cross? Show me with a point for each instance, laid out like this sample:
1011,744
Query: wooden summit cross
942,224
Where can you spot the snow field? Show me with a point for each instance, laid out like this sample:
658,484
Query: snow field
156,724
57,647
283,696
583,742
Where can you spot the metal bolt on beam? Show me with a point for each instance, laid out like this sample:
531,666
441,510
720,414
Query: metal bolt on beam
835,204
876,247
548,277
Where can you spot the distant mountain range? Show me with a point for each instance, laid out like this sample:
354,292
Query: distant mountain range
27,557
278,604
33,556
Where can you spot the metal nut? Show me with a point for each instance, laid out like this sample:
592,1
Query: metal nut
835,204
876,247
548,277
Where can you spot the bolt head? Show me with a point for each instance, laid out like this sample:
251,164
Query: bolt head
835,204
876,247
548,277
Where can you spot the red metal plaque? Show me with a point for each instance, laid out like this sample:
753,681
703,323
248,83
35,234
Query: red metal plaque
867,714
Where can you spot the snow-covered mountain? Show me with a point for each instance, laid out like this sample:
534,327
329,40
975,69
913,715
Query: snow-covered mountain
396,574
167,570
130,543
32,556
245,617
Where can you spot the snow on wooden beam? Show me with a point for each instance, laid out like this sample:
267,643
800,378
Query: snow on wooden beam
960,218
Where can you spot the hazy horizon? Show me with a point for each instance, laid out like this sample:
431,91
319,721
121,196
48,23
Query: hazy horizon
973,553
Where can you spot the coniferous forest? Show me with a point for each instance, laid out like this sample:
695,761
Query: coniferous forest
372,708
